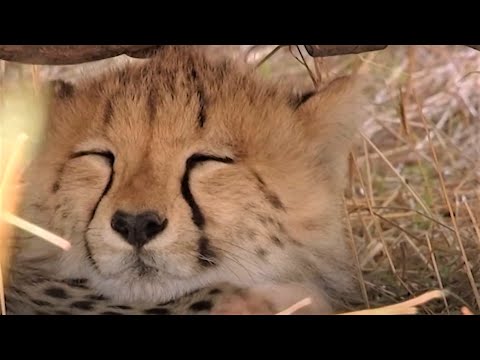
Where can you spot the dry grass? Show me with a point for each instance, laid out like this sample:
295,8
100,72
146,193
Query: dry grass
422,162
414,199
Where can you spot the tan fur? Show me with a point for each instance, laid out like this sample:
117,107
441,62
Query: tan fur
273,217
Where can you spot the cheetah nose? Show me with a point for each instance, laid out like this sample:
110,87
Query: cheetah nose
138,229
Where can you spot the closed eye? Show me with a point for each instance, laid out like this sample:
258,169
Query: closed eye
108,155
192,161
198,158
105,154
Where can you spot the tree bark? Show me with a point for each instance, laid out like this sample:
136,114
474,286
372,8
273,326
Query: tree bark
69,54
331,50
476,47
76,54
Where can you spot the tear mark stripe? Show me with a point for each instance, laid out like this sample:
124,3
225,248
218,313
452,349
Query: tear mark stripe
111,159
197,216
206,255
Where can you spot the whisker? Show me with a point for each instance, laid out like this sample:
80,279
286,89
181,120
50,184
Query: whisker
196,256
253,263
237,246
233,258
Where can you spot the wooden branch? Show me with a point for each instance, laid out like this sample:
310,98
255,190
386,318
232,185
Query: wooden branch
69,54
331,50
476,47
75,54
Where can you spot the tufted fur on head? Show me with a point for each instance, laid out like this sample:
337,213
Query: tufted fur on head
245,178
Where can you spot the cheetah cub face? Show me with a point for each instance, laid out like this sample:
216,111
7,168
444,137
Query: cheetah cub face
181,171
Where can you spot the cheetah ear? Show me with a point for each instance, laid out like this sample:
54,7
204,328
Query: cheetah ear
57,92
62,89
299,99
331,118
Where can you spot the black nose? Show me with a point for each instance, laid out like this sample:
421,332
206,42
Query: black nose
139,229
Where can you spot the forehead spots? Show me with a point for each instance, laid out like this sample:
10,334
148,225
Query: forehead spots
261,252
108,112
259,179
152,105
201,116
269,195
265,219
39,206
55,187
123,77
200,93
276,241
63,89
273,200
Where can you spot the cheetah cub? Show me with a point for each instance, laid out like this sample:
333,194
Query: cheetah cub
188,185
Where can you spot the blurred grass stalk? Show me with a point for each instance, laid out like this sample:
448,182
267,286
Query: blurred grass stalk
22,119
409,307
8,203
